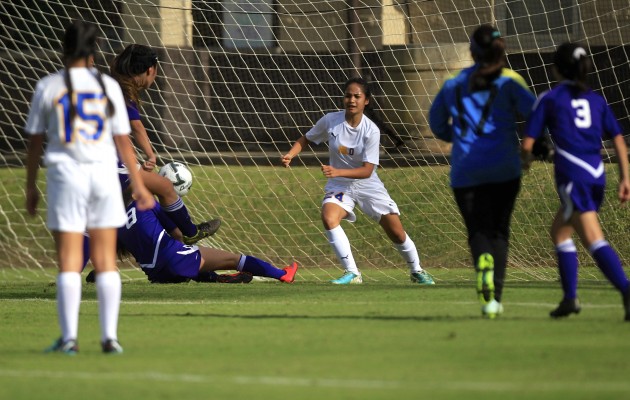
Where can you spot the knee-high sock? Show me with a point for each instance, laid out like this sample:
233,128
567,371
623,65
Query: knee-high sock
108,291
178,213
610,264
258,267
68,303
499,253
409,253
568,268
341,246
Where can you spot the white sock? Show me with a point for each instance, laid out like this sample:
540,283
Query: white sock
341,245
68,303
108,290
409,253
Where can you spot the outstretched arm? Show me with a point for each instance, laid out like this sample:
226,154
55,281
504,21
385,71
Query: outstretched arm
298,146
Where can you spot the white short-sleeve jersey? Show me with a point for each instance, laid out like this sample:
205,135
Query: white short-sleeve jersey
90,137
348,147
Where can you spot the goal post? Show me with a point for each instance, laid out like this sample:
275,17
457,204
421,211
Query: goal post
240,80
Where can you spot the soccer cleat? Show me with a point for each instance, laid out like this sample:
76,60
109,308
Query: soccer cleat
348,278
566,308
485,278
111,346
626,304
421,278
492,309
91,277
204,230
69,347
239,277
290,270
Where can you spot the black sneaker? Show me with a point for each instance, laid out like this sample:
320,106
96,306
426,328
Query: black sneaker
565,308
626,304
70,347
204,230
239,277
111,346
91,277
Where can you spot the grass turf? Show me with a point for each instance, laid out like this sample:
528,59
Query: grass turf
308,340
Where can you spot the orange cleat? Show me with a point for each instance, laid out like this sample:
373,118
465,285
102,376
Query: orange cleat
290,273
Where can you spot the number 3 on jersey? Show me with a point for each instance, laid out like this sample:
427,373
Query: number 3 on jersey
90,117
582,113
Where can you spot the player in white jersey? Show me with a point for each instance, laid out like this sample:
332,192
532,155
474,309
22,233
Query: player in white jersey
353,140
82,115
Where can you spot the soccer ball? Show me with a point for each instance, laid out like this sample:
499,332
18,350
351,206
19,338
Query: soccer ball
179,175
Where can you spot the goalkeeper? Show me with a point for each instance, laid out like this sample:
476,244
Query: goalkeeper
477,110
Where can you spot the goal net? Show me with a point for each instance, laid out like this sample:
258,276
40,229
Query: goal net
240,80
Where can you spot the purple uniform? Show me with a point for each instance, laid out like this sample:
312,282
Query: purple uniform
161,257
577,122
123,173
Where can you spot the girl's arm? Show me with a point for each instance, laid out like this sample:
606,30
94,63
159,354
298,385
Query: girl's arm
622,156
299,144
363,172
141,138
144,199
34,154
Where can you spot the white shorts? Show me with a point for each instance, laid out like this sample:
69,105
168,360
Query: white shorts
84,196
373,199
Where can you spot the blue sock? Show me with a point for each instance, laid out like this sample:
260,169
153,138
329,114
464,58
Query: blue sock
178,213
568,268
610,264
258,267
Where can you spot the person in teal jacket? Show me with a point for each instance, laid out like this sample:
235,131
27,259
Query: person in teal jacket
477,111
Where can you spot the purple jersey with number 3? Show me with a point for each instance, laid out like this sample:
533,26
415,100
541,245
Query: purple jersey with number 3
577,122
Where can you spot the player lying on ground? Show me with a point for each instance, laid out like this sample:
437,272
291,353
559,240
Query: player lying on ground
152,239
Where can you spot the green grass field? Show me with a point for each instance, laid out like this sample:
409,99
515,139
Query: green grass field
309,340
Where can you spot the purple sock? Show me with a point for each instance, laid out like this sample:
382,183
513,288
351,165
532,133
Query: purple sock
178,213
258,267
568,268
610,264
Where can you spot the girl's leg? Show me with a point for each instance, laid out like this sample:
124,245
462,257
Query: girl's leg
402,242
108,284
70,259
332,214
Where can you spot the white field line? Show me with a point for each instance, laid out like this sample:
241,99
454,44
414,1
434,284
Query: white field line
236,302
597,386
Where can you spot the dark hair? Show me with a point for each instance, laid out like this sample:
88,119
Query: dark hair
488,50
361,82
80,41
573,62
134,60
370,111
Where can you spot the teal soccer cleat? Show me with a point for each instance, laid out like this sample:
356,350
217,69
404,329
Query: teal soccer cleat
111,346
421,278
348,278
69,347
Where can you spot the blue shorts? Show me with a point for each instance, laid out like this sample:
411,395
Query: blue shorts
580,197
177,262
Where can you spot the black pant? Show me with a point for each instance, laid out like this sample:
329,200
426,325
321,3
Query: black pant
487,211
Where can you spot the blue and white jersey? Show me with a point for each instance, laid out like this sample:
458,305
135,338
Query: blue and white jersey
145,236
348,147
577,122
482,126
89,138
